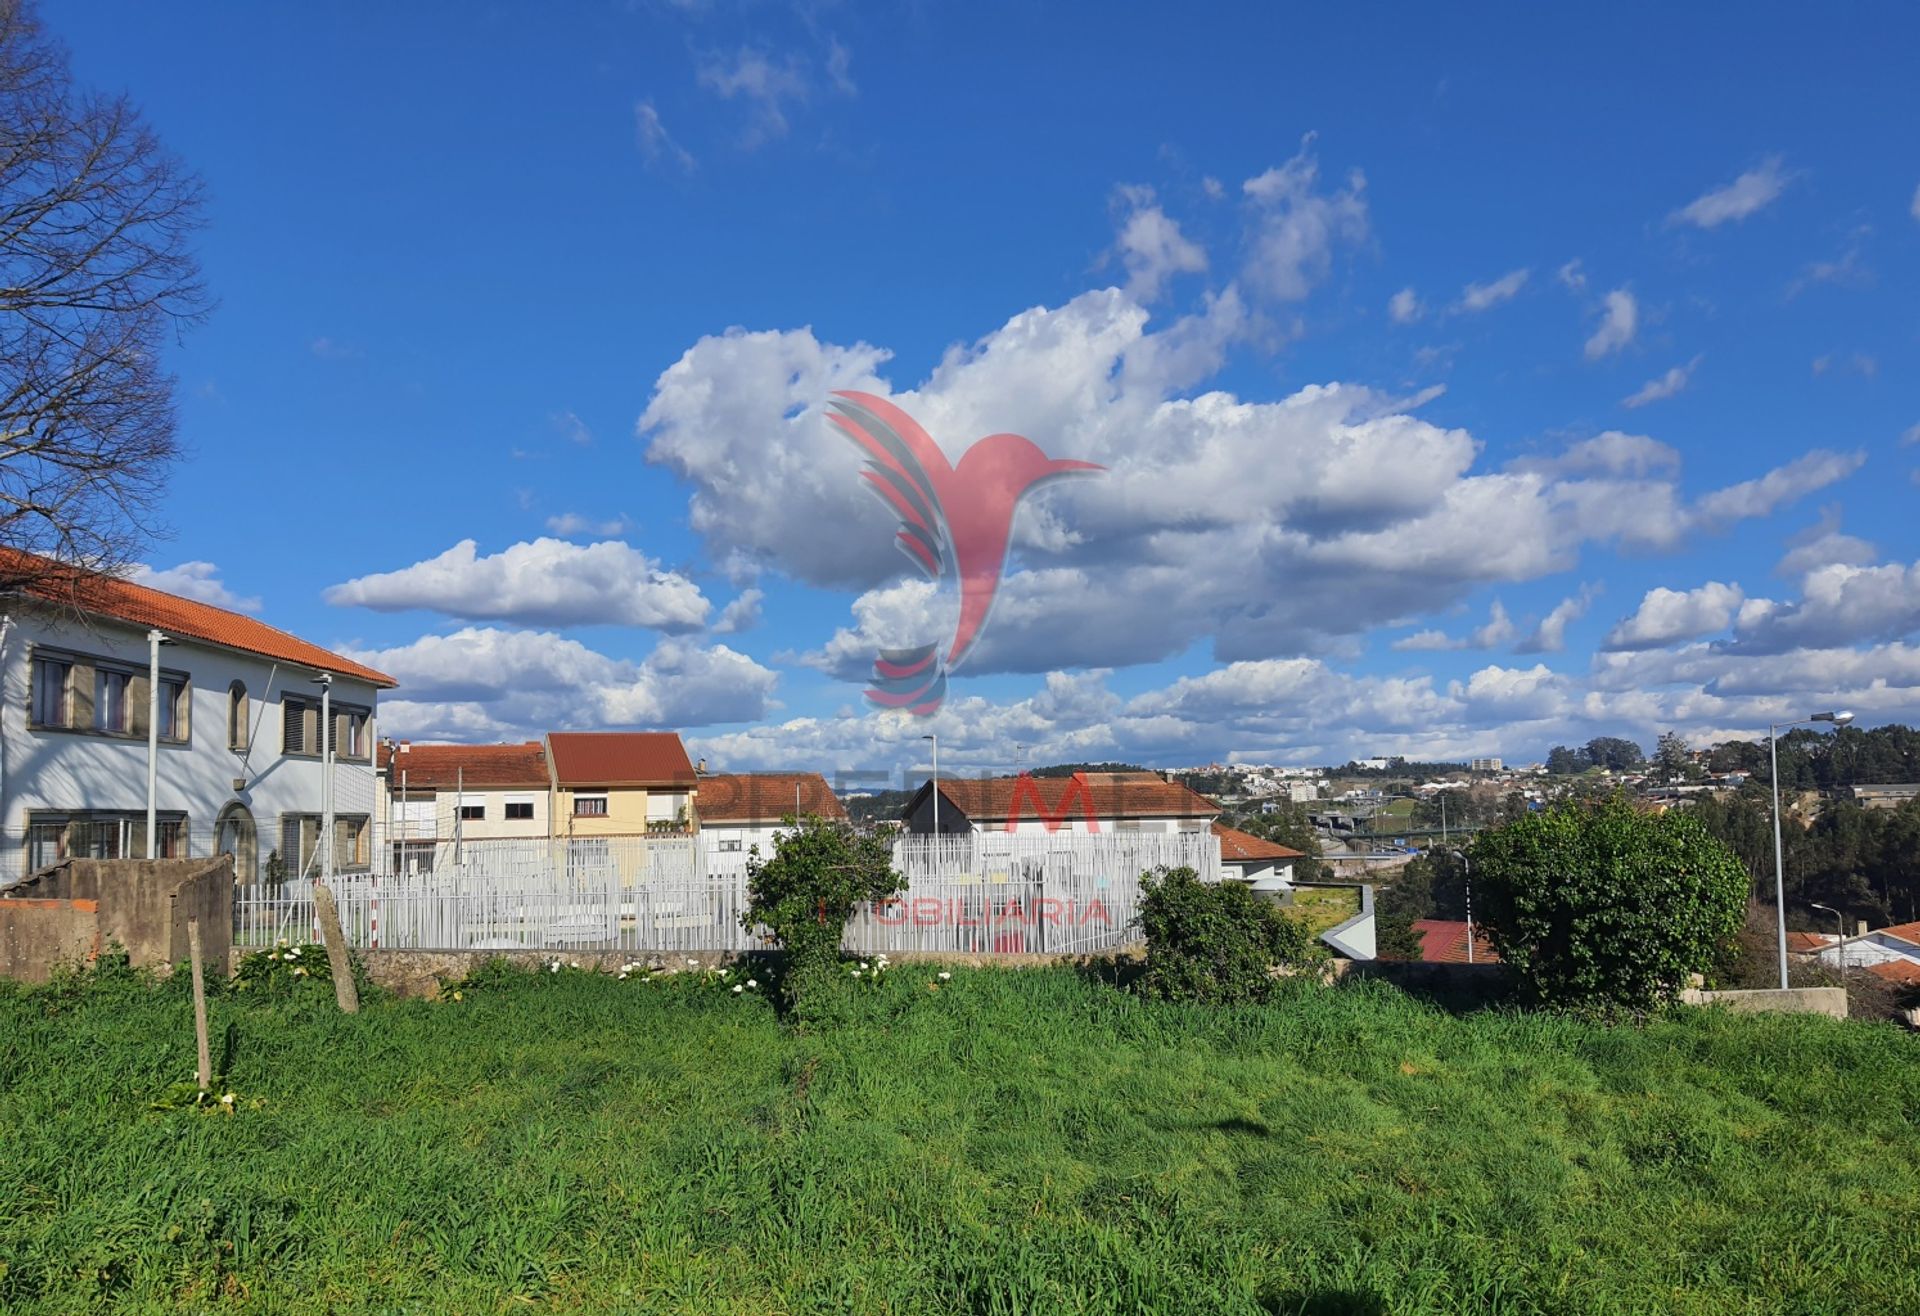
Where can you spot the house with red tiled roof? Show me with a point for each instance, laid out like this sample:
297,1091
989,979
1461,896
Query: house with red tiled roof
1892,952
739,811
1264,865
1086,802
443,793
239,715
1444,941
583,786
620,783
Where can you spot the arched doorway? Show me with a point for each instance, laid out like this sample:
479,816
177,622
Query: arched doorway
234,834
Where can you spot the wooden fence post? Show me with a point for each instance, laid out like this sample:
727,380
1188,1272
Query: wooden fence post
341,965
205,1070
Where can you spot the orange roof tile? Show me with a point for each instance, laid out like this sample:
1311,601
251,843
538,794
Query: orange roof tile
108,596
447,766
1240,847
1083,795
1904,972
1444,941
765,797
1907,932
1804,943
619,758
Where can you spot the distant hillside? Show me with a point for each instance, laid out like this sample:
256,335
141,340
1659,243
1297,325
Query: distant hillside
885,806
881,806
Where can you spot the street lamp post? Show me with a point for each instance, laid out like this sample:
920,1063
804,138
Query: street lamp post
1779,865
1467,866
155,639
325,682
936,786
1840,935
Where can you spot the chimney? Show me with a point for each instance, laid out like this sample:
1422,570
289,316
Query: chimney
700,768
406,747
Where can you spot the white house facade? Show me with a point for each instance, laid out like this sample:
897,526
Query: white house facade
739,811
1099,803
238,765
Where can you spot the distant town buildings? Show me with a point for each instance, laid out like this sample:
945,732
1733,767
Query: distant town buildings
1486,765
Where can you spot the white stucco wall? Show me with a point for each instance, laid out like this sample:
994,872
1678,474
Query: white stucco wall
49,770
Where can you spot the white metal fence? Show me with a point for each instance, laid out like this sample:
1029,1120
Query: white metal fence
982,894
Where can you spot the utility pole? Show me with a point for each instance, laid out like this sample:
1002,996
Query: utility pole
154,640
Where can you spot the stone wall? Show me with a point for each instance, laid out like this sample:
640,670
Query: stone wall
1830,1001
39,936
140,905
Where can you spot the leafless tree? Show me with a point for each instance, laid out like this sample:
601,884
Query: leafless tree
96,271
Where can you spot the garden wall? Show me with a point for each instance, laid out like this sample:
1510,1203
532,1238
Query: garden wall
72,911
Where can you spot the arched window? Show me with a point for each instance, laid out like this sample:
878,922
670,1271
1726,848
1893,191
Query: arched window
237,716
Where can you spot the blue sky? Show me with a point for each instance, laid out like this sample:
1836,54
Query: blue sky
1467,385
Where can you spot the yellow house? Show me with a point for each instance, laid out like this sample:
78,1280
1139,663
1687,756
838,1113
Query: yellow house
620,783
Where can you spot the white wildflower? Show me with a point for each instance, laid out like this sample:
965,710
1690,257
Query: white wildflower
944,975
737,989
753,982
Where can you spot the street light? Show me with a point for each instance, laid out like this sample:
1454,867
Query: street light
325,682
936,785
1840,931
155,639
1779,866
1467,865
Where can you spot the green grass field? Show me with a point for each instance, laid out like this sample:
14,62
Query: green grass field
1009,1142
1323,908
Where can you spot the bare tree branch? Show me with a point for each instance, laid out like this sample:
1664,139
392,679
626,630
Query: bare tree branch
96,271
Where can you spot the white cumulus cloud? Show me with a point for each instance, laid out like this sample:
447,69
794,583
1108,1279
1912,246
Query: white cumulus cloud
1666,616
194,580
542,582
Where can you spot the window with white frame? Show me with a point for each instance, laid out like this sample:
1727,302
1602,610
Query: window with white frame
519,808
731,845
590,806
473,808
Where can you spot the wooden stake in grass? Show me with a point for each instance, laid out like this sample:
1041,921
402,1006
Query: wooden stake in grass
205,1071
341,967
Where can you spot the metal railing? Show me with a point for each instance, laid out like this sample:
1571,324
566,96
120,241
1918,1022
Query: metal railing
985,894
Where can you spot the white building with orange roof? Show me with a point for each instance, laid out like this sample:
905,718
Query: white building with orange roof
235,716
739,811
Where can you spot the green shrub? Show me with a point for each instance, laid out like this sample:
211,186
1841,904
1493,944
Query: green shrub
1214,941
1604,908
820,872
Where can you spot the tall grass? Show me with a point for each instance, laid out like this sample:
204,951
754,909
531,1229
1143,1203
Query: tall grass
1004,1142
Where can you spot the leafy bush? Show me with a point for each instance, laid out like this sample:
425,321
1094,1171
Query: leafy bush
1605,908
1214,941
283,969
820,872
